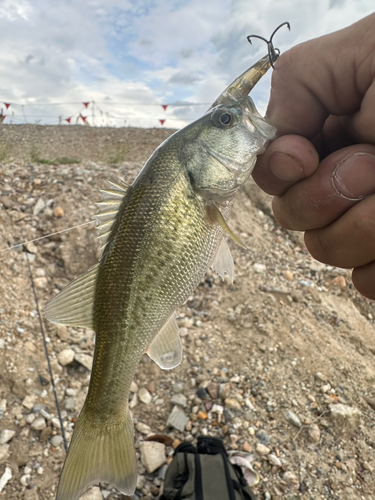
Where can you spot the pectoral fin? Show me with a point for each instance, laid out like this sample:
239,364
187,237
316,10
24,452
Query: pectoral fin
166,348
223,261
215,217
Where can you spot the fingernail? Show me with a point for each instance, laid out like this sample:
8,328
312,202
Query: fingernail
354,176
285,167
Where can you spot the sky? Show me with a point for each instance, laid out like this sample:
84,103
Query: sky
128,57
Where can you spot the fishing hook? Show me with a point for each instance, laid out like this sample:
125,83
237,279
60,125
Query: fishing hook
273,53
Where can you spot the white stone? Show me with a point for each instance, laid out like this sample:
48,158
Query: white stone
92,494
7,476
259,268
56,423
85,360
274,460
65,357
29,401
262,449
177,419
56,441
133,387
25,479
39,206
39,424
178,399
152,455
345,415
143,428
144,396
6,435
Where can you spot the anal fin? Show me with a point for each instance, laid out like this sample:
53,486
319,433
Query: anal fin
223,261
166,348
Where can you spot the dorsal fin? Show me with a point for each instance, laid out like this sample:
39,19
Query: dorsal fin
108,208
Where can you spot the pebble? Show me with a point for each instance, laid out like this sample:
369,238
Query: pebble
339,281
274,460
288,275
144,396
213,390
4,452
259,268
7,476
177,419
56,441
3,407
344,415
143,428
290,478
65,357
292,418
92,494
25,479
56,423
62,332
41,282
133,387
58,212
179,399
69,404
177,387
263,436
84,360
202,393
6,435
29,401
39,206
232,403
141,482
152,455
39,424
262,449
313,432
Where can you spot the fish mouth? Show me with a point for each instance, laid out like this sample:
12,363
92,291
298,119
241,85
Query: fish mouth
242,86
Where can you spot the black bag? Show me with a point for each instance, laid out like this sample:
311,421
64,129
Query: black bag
204,473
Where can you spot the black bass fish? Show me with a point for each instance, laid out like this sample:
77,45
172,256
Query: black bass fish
160,235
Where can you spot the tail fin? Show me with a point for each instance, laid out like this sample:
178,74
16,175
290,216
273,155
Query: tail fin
99,454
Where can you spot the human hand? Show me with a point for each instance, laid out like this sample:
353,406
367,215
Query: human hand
323,179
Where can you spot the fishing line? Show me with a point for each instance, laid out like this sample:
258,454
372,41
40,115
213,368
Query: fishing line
47,236
46,353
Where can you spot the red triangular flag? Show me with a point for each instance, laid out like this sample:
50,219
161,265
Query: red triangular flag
67,120
2,117
164,106
162,121
7,104
83,118
86,104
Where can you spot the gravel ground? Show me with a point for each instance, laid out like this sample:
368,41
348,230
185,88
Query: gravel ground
281,364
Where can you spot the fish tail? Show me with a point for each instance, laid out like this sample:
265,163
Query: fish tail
99,454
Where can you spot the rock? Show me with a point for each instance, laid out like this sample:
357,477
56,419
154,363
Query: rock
144,396
62,332
263,436
339,281
58,212
4,452
143,428
29,401
25,479
259,268
288,275
84,360
3,407
213,390
56,441
133,387
7,476
232,403
247,447
141,481
41,282
39,424
202,393
292,418
179,399
202,415
177,387
274,460
262,449
31,494
39,206
93,493
69,404
290,478
313,432
152,455
56,423
344,415
65,357
177,419
6,435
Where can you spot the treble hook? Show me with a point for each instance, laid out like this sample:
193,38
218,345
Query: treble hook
273,53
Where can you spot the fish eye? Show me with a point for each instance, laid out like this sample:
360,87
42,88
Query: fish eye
225,118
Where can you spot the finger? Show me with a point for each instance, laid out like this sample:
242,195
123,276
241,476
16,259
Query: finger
342,179
287,160
328,75
349,241
364,280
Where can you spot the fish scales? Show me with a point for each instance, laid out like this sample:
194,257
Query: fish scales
160,234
